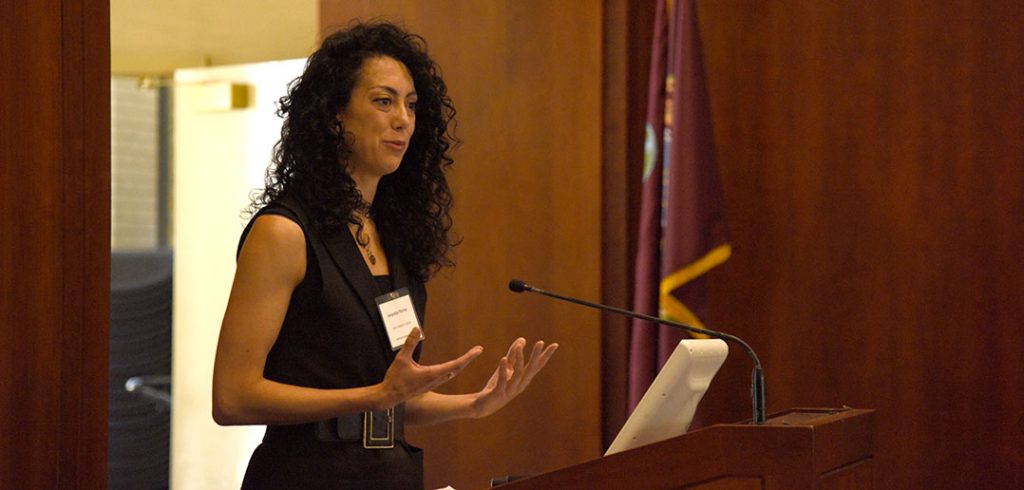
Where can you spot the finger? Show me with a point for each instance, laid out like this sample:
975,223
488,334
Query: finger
546,354
503,374
470,354
542,360
517,366
445,372
520,361
450,369
410,343
535,353
514,351
537,349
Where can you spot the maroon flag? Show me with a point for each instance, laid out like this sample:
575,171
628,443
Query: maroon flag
682,217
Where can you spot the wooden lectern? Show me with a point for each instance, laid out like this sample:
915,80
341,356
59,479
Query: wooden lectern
803,448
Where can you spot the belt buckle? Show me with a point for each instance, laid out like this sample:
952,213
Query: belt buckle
372,425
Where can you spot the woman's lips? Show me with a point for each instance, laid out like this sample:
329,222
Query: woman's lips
396,145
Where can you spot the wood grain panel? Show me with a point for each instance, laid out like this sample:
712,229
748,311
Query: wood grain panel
526,78
627,58
874,170
93,212
30,222
785,453
54,217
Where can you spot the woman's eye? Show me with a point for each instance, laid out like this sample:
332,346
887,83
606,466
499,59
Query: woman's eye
384,101
412,107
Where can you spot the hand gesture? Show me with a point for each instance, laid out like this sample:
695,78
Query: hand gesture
512,376
407,378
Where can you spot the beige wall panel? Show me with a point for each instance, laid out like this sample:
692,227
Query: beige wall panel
155,38
220,157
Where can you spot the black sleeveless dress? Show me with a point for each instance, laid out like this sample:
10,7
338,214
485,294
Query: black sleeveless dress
332,337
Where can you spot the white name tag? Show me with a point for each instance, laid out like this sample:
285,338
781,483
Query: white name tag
399,316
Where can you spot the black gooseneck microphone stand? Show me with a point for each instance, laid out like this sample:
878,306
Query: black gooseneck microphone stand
757,382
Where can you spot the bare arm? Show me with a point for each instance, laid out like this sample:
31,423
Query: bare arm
272,263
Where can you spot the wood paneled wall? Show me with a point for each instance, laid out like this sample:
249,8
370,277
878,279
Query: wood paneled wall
873,161
526,77
628,34
54,243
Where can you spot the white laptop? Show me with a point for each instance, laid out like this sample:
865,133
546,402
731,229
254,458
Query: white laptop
667,408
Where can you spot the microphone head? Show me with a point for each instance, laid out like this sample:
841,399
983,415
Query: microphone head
518,286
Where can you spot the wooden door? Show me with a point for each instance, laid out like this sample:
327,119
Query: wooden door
54,243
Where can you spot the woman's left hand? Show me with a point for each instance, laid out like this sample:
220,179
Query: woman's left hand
512,376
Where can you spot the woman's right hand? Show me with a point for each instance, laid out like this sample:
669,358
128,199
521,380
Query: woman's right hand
407,378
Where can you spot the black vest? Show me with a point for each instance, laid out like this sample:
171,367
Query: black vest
333,335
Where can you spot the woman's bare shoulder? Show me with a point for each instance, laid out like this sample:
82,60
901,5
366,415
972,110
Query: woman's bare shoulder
276,242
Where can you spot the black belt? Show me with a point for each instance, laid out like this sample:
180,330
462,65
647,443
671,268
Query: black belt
375,430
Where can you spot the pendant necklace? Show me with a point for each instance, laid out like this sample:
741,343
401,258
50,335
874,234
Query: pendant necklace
366,246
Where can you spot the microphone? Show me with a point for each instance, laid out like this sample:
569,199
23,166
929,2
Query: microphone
757,394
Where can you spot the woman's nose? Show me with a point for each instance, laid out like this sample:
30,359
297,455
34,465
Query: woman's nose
402,119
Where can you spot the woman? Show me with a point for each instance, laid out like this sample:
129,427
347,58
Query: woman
356,212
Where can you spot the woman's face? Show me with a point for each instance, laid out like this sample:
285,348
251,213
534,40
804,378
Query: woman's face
379,119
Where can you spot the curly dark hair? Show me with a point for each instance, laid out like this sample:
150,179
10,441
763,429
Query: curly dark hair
412,206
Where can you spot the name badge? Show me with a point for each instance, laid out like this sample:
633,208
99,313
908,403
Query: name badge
399,316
